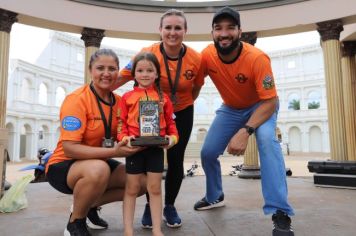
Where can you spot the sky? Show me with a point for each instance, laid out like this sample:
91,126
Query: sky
27,42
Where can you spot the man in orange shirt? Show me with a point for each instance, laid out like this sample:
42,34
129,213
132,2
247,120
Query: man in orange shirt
243,76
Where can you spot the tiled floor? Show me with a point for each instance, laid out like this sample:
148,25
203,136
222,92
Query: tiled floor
319,211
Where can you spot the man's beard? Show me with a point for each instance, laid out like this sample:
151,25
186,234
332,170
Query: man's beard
227,50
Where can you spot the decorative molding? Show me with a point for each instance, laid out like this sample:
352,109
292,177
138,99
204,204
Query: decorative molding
7,19
348,48
196,7
330,29
92,37
249,37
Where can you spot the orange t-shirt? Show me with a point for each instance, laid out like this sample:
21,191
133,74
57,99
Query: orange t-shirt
243,82
81,121
128,113
190,74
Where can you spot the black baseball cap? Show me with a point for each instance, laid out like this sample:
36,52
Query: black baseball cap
227,12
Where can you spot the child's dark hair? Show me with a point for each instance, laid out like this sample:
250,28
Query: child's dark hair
152,58
101,52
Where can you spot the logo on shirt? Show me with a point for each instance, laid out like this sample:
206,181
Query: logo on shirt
268,82
71,123
189,74
241,78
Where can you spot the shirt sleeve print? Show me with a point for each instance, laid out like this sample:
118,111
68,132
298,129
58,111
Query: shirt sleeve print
73,118
264,80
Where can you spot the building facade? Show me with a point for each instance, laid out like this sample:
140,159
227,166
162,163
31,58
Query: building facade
35,93
302,120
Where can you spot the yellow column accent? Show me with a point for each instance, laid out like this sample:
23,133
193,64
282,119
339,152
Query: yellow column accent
88,52
251,153
250,168
336,114
349,95
7,19
92,39
4,62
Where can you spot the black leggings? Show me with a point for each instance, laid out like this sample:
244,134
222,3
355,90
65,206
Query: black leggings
175,155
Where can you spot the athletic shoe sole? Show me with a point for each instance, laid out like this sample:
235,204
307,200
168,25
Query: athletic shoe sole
93,226
176,225
219,204
147,226
89,224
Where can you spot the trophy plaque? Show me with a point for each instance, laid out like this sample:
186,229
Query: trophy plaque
149,126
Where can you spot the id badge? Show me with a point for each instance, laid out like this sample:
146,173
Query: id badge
107,143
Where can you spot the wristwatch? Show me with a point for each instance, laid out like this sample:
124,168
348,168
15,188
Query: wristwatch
250,130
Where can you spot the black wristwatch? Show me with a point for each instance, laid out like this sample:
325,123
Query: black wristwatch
250,130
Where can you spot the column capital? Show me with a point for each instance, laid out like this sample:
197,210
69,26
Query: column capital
348,48
249,37
330,29
7,19
92,37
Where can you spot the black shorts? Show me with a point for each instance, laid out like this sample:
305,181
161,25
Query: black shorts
148,160
57,174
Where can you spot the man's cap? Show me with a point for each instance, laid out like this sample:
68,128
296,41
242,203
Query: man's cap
227,12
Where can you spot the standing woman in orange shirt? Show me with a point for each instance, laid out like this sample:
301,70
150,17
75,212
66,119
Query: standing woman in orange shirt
181,80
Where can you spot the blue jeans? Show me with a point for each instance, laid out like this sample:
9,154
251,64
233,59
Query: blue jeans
273,175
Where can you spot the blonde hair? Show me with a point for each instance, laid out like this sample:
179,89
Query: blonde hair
174,12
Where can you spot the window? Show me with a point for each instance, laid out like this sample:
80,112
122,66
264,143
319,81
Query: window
42,96
291,65
293,102
25,90
60,95
314,100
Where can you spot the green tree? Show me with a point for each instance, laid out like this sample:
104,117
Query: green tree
294,105
313,105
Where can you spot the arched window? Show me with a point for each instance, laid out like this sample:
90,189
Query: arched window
25,90
314,100
42,96
293,102
60,95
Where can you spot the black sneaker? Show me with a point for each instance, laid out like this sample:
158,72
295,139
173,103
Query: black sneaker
94,221
146,220
204,205
77,228
281,224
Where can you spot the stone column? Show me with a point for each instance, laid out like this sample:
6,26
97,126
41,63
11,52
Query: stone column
7,19
92,40
330,34
250,167
348,82
249,37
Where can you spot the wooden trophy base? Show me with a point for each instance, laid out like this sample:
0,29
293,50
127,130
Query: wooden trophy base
150,141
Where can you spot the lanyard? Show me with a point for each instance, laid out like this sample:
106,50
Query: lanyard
105,122
179,67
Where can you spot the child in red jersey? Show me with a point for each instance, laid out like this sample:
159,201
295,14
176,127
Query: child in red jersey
146,71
